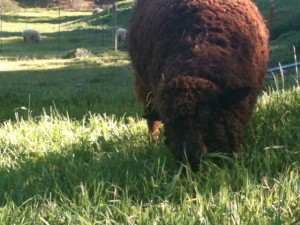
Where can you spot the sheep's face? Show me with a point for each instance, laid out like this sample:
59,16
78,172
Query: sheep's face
194,136
203,123
38,39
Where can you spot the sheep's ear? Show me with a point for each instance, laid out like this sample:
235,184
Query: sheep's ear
152,116
234,96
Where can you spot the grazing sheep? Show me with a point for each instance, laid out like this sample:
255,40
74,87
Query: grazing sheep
199,66
31,35
122,35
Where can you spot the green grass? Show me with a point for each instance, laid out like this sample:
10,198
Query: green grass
101,169
75,86
74,149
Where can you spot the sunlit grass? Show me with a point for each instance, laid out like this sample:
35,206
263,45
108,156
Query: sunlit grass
103,169
33,64
103,59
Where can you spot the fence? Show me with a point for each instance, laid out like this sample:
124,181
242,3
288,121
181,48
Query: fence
65,30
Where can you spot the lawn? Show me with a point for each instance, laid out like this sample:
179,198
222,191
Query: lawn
75,150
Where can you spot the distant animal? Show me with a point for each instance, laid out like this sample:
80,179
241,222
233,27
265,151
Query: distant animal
97,10
52,5
30,35
122,35
199,66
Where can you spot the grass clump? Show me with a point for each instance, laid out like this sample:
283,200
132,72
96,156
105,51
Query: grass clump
77,53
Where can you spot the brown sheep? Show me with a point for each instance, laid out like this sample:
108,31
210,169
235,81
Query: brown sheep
199,66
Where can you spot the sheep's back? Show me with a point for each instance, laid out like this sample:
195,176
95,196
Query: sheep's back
30,32
223,41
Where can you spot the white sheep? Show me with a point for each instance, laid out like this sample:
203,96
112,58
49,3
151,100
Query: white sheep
31,35
122,34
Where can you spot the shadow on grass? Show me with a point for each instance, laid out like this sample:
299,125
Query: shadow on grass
62,173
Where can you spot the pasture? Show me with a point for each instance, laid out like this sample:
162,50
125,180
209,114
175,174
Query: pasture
75,150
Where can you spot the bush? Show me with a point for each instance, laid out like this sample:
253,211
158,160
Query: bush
8,6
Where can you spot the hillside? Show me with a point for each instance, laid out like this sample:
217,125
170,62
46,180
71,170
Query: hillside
285,31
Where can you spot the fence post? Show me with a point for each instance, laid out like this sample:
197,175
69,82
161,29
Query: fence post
58,40
1,29
114,15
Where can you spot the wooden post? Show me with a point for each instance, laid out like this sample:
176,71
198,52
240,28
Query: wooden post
58,40
114,15
1,29
271,15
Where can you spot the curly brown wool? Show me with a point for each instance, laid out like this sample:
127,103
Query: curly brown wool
204,63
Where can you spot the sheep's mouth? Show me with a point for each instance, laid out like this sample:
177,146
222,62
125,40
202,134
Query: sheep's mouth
184,148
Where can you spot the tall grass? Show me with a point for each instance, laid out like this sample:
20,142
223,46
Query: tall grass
104,170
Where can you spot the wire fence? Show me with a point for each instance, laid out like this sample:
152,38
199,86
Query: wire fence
62,30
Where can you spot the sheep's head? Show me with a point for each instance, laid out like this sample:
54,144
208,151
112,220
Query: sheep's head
199,117
39,39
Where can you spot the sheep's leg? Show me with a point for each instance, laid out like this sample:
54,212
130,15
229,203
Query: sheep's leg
153,121
145,96
153,118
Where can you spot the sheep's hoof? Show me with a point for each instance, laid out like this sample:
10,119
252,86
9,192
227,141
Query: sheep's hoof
155,135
